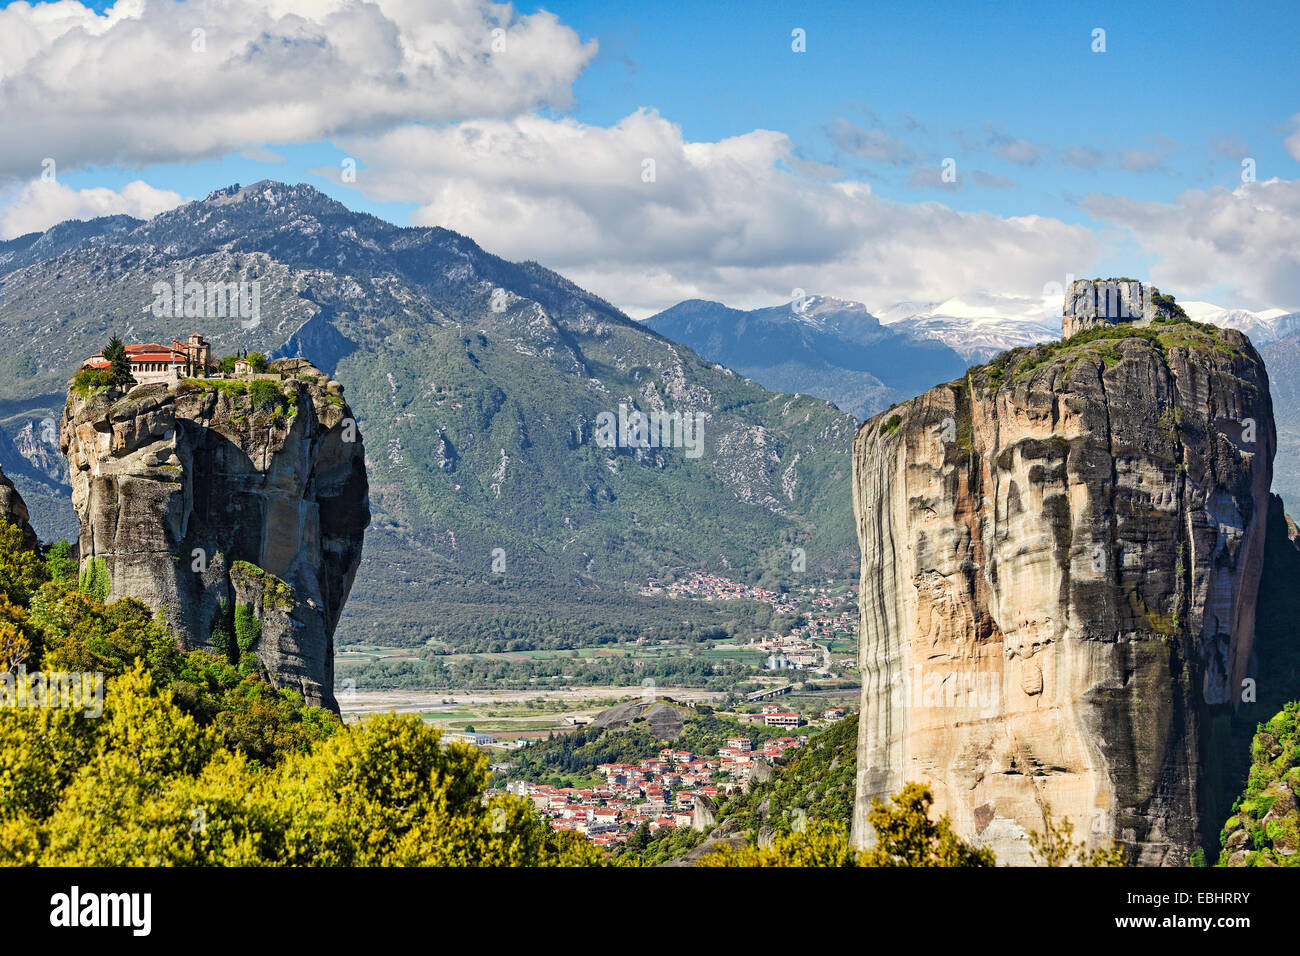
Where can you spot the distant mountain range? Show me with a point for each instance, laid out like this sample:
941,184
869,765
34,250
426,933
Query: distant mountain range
479,385
819,345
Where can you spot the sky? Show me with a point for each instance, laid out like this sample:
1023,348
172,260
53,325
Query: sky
662,151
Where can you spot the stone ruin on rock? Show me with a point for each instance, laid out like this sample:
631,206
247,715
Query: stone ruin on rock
1091,303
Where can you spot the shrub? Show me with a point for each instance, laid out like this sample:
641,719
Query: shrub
95,579
90,380
265,395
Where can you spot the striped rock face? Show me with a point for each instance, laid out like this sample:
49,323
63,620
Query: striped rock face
1060,565
210,499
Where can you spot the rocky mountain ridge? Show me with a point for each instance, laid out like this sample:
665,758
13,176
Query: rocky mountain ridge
14,511
818,345
478,383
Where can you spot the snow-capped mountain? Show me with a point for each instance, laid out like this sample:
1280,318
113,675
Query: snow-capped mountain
1262,327
979,325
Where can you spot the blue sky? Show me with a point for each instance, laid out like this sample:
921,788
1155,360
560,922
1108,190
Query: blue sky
1132,144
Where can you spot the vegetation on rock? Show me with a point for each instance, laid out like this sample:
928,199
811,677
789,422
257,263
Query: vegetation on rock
1264,829
210,767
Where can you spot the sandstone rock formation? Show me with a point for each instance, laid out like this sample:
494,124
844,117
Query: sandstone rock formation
14,510
210,499
1060,560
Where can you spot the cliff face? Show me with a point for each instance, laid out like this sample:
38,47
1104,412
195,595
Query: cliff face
1060,560
216,498
14,510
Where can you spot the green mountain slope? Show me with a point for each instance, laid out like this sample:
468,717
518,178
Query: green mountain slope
478,384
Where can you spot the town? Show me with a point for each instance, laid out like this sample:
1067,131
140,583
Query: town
831,618
661,792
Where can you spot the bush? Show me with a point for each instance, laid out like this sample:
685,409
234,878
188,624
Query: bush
90,380
265,395
95,579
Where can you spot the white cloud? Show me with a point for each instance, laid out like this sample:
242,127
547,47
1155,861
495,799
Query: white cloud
727,220
40,205
89,89
1245,240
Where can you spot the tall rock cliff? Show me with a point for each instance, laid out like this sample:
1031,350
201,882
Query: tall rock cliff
14,510
1061,555
237,508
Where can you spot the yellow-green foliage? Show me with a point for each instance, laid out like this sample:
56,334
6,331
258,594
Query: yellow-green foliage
276,592
21,571
905,836
821,843
1264,829
1054,846
194,763
384,793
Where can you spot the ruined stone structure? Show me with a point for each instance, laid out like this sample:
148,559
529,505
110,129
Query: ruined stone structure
1093,302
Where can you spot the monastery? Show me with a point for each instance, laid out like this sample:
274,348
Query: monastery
162,363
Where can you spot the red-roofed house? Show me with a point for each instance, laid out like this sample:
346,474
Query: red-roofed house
162,363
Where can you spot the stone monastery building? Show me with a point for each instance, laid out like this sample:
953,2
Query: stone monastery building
161,363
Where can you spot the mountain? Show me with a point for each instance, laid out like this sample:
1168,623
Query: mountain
980,325
480,385
818,345
1061,589
1283,360
1262,327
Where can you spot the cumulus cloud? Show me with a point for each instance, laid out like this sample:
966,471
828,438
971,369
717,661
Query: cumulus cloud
102,89
41,204
1246,240
646,218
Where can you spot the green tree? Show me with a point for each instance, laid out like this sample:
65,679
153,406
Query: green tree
119,363
59,562
248,631
95,579
906,836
